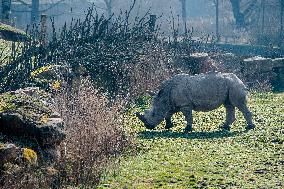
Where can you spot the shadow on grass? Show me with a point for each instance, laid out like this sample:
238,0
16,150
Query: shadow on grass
193,135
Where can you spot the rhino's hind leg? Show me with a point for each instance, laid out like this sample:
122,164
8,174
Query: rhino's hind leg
230,117
248,116
187,112
169,123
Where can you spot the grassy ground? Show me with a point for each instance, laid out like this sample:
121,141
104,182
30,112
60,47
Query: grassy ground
5,49
208,158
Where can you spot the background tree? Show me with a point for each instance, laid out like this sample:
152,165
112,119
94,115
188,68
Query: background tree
6,11
184,11
109,6
281,17
35,11
242,16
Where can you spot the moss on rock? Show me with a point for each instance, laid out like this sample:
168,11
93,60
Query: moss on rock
10,33
29,156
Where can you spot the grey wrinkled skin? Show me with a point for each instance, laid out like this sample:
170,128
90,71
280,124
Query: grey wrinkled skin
204,92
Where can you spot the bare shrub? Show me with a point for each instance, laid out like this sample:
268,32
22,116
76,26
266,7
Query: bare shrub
94,135
151,70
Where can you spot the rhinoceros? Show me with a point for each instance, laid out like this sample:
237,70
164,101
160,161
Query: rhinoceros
203,92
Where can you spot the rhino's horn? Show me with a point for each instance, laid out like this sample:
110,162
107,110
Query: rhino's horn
143,119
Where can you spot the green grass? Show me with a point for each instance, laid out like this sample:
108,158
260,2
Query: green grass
207,158
5,51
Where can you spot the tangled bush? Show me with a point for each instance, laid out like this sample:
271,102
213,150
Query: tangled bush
110,51
94,135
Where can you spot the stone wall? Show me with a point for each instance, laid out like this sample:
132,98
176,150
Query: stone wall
259,69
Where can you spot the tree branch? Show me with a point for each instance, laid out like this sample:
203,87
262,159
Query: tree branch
53,5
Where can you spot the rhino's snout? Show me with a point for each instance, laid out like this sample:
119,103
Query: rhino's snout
144,120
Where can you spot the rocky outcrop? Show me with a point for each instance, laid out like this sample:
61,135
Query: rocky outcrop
28,113
255,71
259,69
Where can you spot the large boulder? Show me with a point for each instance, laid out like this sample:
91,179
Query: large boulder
9,153
28,112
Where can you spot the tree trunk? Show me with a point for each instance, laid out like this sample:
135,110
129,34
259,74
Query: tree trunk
281,18
217,20
263,16
6,11
238,15
35,11
109,7
184,13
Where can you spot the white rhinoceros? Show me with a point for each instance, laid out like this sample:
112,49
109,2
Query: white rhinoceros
203,92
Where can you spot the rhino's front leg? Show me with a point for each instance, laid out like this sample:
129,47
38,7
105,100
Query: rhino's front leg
169,123
187,112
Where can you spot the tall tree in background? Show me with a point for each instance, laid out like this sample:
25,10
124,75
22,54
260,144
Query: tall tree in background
281,17
109,6
242,16
35,11
6,11
238,15
184,12
217,19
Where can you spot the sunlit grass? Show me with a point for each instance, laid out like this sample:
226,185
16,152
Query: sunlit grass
5,51
208,158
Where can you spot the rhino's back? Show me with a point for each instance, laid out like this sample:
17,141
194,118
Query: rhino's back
203,92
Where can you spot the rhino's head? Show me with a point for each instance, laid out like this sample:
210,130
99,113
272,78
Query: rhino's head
150,118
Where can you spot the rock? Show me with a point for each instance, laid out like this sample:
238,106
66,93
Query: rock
257,65
9,153
228,62
196,63
51,155
36,93
55,115
201,63
24,113
259,69
29,156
